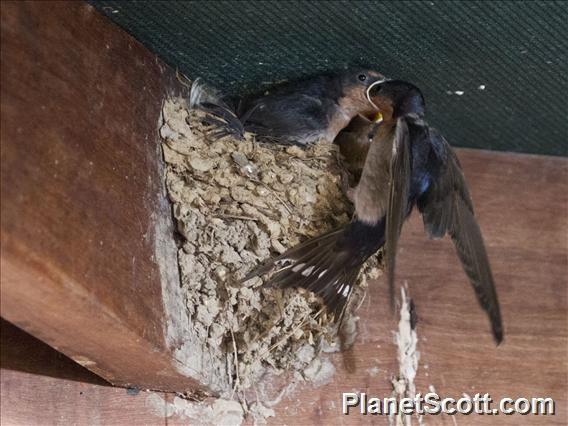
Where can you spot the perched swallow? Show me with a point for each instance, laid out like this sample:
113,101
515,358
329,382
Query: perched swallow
298,112
408,164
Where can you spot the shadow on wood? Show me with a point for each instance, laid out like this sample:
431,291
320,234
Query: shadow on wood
23,352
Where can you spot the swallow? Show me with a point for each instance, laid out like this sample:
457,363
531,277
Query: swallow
298,112
354,141
408,164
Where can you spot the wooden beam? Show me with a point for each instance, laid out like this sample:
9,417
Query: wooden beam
87,243
39,386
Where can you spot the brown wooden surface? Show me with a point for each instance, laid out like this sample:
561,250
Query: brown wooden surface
521,202
23,352
40,386
522,205
80,185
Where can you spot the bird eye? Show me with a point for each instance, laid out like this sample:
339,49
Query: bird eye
362,77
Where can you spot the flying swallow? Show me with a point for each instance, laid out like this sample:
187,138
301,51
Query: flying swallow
408,164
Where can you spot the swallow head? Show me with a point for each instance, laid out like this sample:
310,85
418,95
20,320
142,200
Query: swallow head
355,85
397,98
361,78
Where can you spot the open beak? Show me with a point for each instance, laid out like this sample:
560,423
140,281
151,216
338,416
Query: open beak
377,118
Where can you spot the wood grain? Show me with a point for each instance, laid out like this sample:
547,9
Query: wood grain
23,352
41,386
40,400
81,191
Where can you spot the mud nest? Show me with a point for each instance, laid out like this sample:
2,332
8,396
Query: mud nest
235,204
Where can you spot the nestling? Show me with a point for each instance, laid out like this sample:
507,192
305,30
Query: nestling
298,112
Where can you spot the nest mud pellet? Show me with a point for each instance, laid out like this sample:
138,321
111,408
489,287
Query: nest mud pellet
235,204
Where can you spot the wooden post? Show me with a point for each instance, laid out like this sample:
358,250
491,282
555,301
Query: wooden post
88,258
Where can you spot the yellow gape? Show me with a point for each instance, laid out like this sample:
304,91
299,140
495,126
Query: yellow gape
378,117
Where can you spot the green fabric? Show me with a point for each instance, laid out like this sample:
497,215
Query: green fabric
516,51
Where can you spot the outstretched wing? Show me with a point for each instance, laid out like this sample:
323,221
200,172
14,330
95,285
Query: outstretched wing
327,265
397,206
446,207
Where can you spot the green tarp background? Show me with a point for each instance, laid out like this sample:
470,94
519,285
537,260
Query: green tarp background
494,73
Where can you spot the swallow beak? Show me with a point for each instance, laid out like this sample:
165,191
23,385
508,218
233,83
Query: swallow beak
378,117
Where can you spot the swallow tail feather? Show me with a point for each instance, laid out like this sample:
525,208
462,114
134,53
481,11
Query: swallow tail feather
218,113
